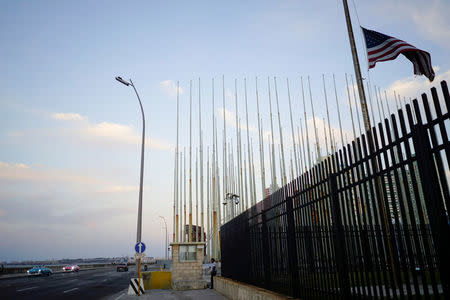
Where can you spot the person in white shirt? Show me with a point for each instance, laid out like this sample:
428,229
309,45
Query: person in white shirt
212,271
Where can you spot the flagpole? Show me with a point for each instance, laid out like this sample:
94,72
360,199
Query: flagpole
201,164
248,138
314,122
328,113
292,128
359,81
274,172
367,126
338,111
306,126
261,144
177,231
281,135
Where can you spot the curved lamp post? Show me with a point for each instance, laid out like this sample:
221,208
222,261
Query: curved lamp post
139,221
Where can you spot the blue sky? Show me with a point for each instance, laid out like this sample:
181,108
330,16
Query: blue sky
70,134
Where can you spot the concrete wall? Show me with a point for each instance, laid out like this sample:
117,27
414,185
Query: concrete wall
236,290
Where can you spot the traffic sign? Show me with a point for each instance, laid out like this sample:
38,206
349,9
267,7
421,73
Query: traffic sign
140,247
139,255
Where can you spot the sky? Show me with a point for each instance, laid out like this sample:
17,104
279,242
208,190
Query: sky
70,134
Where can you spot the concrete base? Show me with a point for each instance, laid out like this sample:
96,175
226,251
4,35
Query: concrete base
182,285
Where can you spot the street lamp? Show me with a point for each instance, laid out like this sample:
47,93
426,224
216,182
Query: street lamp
139,221
166,249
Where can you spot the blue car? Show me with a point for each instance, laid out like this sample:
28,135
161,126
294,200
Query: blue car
39,270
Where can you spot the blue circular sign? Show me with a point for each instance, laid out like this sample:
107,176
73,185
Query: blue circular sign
140,247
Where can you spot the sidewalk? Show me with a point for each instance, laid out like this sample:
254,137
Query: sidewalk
169,294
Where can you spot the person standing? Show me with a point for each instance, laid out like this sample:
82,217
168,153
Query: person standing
212,271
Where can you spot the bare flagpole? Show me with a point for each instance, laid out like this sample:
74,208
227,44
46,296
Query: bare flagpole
190,163
306,125
213,171
281,135
177,226
208,207
350,105
248,138
274,172
314,122
338,111
196,195
261,145
184,219
328,113
237,138
202,239
292,128
225,166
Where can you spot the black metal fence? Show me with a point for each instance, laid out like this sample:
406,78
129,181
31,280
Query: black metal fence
369,221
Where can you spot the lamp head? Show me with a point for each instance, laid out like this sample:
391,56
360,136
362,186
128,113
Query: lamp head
119,79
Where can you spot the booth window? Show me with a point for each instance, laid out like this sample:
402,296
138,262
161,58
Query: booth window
187,253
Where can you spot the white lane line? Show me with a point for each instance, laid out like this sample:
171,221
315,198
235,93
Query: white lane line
30,288
119,296
70,290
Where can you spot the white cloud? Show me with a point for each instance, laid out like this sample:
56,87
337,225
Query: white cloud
414,86
429,17
120,189
230,119
122,134
170,88
68,117
4,165
97,133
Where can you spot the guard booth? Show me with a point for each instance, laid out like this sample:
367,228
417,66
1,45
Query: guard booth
187,262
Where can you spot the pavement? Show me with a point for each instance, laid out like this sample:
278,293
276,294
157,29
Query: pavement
169,294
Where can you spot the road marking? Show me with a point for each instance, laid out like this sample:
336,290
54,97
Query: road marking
30,288
70,290
119,296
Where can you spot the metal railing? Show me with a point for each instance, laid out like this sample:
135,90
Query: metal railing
370,220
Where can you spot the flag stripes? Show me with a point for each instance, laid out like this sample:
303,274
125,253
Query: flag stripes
381,47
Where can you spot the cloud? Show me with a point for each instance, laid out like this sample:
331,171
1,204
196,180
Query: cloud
103,133
429,17
170,88
414,86
68,117
230,119
2,212
120,189
22,172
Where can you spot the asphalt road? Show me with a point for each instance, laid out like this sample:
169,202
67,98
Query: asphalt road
89,284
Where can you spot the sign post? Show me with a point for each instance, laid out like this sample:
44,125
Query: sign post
140,248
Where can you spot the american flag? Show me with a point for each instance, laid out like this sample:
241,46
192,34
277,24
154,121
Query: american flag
381,47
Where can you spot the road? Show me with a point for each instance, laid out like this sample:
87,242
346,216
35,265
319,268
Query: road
89,284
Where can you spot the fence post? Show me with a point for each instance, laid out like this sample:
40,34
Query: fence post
292,247
339,238
265,252
434,202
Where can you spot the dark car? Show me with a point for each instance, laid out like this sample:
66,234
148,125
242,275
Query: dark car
122,267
